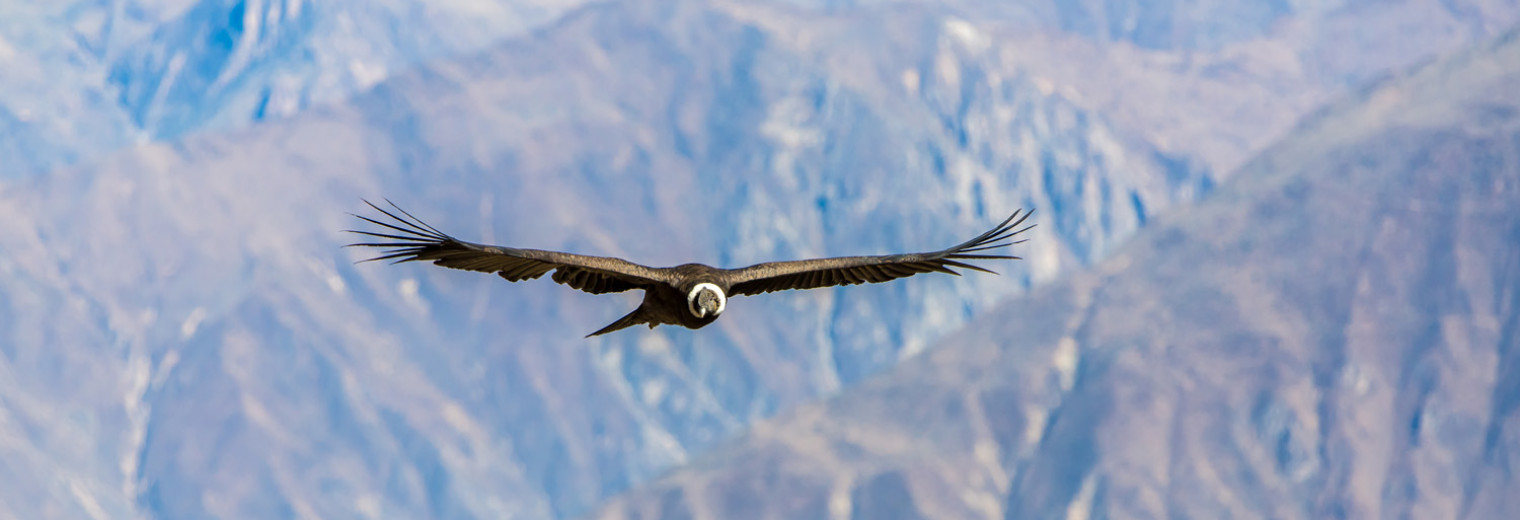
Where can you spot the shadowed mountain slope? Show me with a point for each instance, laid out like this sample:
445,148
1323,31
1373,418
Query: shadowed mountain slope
1334,334
182,336
87,77
84,78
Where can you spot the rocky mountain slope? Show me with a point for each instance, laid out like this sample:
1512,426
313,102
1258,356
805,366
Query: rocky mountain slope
1334,334
185,337
182,337
84,78
88,77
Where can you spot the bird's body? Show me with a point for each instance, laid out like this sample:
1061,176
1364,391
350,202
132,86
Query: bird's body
666,304
689,295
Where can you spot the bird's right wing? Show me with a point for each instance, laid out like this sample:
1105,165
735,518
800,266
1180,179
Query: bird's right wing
849,270
409,240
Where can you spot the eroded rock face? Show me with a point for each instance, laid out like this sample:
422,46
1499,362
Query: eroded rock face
1335,333
180,335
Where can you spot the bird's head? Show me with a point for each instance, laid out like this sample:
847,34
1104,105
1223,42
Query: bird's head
705,300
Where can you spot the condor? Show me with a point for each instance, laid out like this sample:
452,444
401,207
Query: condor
689,295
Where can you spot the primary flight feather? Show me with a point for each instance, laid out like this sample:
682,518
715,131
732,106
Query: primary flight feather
689,295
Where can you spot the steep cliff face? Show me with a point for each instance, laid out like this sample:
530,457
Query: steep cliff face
84,78
88,77
1333,334
224,63
241,366
181,336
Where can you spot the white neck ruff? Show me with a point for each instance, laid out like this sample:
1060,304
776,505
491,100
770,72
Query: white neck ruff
691,298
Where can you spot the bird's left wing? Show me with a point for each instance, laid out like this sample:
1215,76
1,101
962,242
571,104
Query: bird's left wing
850,270
409,240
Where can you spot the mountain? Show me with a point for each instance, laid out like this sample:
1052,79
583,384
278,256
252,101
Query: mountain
181,335
1217,82
185,337
1333,334
88,77
225,62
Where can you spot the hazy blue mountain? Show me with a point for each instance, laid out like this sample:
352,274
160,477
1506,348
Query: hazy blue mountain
1219,81
225,62
239,364
86,77
182,337
1333,334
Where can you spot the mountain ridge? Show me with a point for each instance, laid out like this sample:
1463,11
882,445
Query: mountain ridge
185,338
1221,364
240,364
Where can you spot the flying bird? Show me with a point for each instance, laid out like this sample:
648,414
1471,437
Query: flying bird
689,295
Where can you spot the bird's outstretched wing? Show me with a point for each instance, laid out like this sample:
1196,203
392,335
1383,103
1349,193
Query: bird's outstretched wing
850,270
409,239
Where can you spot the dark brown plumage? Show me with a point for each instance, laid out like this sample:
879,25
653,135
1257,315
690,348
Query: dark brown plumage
702,290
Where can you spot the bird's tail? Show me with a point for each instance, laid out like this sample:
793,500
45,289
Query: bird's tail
633,318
